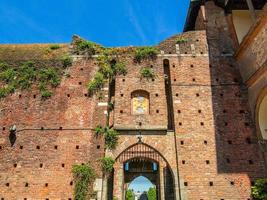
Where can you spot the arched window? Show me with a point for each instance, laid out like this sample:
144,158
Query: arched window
263,117
140,102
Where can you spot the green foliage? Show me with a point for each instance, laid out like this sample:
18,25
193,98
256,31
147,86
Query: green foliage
147,72
110,135
4,91
130,194
96,83
85,47
111,106
259,190
83,176
66,61
99,130
46,93
152,194
143,53
111,138
109,67
119,68
107,164
25,75
8,75
181,40
54,46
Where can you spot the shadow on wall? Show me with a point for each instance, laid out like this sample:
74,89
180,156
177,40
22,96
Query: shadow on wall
238,152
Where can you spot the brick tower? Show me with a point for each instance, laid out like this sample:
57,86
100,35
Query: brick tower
196,128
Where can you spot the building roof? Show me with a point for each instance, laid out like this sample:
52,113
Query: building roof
228,5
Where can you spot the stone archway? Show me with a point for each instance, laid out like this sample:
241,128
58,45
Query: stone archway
261,115
142,154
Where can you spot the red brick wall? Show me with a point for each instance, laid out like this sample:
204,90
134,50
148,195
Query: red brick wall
125,85
46,156
218,155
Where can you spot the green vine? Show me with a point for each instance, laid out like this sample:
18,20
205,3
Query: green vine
111,136
144,53
99,130
109,67
85,47
147,72
96,83
259,190
107,164
84,175
27,73
66,61
54,46
181,40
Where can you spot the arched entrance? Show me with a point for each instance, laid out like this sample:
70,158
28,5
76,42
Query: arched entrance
140,167
262,116
142,160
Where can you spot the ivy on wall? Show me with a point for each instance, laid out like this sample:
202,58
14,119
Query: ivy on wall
110,62
181,40
26,74
144,53
111,136
107,164
147,72
84,175
259,190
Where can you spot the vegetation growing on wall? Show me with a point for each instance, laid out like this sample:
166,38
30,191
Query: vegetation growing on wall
84,175
181,40
85,47
109,68
259,190
27,73
96,83
110,135
147,72
54,46
111,138
107,164
143,53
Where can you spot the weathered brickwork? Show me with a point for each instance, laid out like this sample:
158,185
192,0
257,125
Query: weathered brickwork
125,85
38,165
212,150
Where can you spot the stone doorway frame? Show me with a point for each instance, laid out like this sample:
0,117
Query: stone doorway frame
144,151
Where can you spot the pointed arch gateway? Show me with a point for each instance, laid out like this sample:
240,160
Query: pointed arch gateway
137,160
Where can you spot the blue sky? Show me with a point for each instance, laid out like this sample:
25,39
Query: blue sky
140,184
108,22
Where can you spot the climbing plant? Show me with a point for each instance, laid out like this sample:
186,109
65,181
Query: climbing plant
85,47
107,164
108,69
83,176
96,83
147,72
24,75
143,53
111,138
98,130
181,40
259,190
54,46
66,61
110,135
